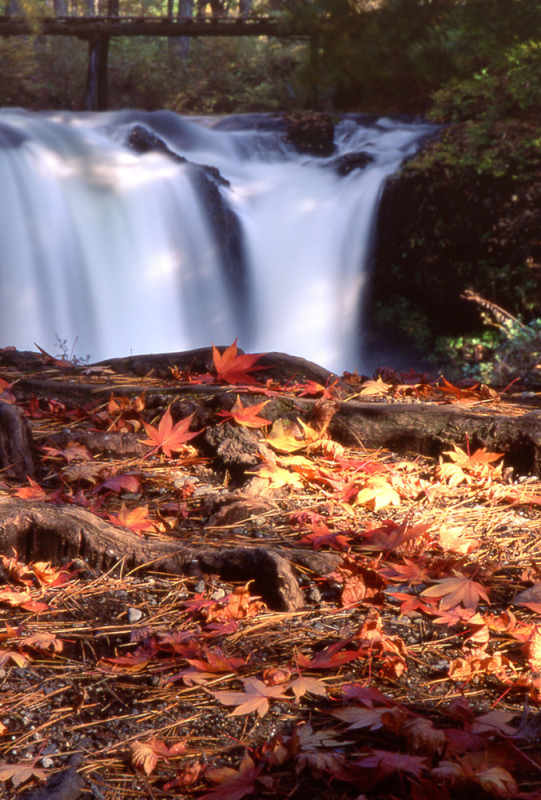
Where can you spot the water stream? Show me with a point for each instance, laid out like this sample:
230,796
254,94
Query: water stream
116,252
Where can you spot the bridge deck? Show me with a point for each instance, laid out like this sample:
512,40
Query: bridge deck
90,27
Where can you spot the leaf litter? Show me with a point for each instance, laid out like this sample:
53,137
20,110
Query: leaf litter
412,670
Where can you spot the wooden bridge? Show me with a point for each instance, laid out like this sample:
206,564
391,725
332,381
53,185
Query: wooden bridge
99,30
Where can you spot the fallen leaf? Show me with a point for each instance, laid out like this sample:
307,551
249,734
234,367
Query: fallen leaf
286,436
12,655
361,717
255,697
330,657
495,720
233,784
454,591
423,737
135,519
32,492
317,750
168,437
246,415
232,368
45,642
278,476
20,773
378,493
145,755
304,685
120,483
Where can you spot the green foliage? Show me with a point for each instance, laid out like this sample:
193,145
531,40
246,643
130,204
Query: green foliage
496,356
42,72
235,76
401,316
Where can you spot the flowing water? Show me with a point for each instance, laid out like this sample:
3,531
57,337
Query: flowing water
116,252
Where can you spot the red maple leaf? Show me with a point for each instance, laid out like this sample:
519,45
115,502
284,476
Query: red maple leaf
234,784
322,535
170,438
232,368
217,662
330,657
454,591
390,535
246,415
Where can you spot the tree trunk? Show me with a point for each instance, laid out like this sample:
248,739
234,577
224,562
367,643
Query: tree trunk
96,81
180,45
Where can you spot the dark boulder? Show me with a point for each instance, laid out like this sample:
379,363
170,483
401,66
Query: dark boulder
345,164
311,133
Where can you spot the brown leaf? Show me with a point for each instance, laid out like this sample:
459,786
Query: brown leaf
145,755
20,773
255,697
12,655
87,471
304,685
423,737
45,642
361,717
317,750
495,720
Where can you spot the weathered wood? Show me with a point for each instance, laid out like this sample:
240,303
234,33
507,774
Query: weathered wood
38,531
88,27
429,430
16,446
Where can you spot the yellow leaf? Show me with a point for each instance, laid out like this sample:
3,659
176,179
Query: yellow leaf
378,493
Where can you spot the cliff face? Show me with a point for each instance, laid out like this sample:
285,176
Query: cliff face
450,223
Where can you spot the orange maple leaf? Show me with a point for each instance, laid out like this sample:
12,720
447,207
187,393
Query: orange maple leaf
170,438
254,698
232,368
246,415
32,492
22,600
135,519
454,591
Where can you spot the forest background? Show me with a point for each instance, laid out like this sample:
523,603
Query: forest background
462,217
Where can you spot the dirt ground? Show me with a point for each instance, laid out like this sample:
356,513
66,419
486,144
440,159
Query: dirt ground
216,594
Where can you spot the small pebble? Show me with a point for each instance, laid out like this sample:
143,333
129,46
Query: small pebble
219,594
314,595
47,763
199,587
134,615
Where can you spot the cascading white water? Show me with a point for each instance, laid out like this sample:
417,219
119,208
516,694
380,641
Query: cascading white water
113,249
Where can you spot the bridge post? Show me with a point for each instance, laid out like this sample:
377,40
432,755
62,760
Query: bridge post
96,76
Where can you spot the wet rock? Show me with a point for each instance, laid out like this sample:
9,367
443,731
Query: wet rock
311,133
346,163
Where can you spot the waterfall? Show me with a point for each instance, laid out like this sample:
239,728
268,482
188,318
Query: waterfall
117,251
